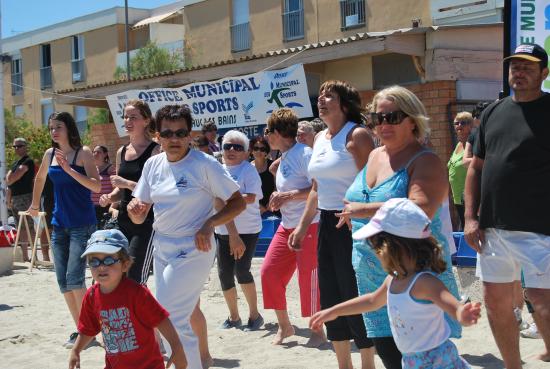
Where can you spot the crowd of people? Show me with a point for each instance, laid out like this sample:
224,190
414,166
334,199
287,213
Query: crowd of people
365,207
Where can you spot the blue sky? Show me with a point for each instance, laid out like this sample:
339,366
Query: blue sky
26,15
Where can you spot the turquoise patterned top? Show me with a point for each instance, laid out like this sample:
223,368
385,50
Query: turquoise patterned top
368,269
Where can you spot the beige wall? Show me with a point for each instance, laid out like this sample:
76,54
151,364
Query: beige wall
207,24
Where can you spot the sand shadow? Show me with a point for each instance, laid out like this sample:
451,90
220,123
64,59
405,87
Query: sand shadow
4,307
488,361
226,363
272,328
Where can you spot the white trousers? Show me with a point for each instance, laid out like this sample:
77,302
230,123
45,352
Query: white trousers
180,272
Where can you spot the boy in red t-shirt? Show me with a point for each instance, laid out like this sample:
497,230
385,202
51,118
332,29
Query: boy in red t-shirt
123,311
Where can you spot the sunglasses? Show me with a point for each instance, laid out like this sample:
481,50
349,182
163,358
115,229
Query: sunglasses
235,147
461,123
108,261
18,146
260,148
168,133
393,117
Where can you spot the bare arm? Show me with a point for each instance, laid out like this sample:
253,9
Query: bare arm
39,181
249,198
296,237
468,155
472,198
81,341
429,184
15,176
236,244
178,358
90,180
430,288
369,302
138,210
360,146
277,199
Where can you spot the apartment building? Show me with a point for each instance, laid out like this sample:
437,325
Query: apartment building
79,52
447,51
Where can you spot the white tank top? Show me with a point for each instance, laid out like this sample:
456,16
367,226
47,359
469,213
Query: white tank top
416,326
333,168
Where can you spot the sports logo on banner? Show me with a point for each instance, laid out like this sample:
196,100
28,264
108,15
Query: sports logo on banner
531,24
230,102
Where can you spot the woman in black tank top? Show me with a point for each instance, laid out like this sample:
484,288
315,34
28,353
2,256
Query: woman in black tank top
138,122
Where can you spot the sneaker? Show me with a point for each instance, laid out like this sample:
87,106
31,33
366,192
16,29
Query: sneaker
71,341
228,324
531,332
254,325
519,319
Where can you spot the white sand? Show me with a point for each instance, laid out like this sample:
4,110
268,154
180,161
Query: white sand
34,323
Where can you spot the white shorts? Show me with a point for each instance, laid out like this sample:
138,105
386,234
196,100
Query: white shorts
506,254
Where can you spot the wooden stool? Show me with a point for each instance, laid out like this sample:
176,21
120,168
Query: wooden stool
41,222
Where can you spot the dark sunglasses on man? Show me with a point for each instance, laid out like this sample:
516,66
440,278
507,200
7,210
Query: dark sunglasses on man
235,147
392,118
18,146
168,133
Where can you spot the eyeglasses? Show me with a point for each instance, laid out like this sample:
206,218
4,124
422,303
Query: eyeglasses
461,123
108,261
260,148
235,147
18,146
168,133
268,131
393,117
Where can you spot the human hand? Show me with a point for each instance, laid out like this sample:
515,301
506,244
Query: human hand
277,199
320,317
204,236
118,181
105,200
74,360
61,159
469,313
350,208
475,237
33,210
178,359
295,239
236,246
137,208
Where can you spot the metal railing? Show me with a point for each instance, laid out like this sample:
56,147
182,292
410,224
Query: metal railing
293,25
352,13
240,37
45,77
17,84
78,70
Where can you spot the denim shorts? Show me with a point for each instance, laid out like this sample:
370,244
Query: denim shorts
68,244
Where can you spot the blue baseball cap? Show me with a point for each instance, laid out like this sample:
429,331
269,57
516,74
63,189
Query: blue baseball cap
108,241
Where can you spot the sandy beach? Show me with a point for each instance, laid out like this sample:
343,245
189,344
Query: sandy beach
34,323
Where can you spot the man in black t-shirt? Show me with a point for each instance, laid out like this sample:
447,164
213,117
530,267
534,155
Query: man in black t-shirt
507,185
20,180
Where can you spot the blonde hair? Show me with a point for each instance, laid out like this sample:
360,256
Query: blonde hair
408,103
464,115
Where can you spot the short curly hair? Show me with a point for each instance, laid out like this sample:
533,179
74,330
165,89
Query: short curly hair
174,113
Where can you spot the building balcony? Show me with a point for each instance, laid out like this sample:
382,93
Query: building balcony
45,77
240,37
78,70
447,12
293,25
17,84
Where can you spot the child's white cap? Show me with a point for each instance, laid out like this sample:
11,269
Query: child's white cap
400,217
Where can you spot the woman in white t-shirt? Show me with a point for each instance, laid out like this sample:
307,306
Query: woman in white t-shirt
237,239
293,187
181,185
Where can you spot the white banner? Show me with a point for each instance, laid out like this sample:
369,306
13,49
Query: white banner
230,102
531,24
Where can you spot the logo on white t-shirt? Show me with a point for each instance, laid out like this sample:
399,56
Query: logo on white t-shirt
182,182
285,170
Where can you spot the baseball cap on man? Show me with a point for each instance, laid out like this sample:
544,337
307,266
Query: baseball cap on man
531,52
108,241
400,217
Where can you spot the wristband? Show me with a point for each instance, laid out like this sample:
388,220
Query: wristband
34,208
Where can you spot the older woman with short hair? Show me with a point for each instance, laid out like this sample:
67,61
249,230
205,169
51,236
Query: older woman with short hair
306,133
237,239
401,167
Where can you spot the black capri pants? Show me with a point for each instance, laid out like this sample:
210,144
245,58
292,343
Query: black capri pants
140,246
337,282
228,267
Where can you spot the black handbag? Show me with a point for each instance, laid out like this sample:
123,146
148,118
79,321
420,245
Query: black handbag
109,222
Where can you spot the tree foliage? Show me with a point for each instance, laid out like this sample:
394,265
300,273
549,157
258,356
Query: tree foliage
38,138
151,59
98,116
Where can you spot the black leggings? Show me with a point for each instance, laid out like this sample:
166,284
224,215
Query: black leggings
228,267
388,352
140,247
337,281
